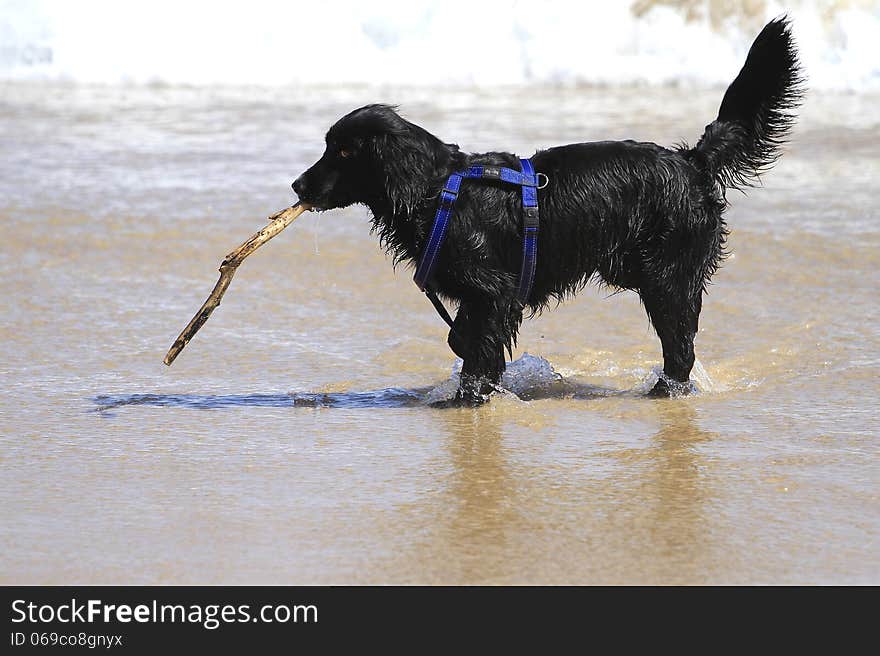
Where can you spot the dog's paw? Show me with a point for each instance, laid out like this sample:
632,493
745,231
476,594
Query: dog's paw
666,388
471,400
461,401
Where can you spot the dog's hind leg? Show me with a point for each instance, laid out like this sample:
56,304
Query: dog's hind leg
675,318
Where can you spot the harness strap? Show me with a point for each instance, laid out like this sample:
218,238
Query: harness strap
438,232
438,305
529,183
530,233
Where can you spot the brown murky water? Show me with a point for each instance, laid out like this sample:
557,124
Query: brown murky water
291,443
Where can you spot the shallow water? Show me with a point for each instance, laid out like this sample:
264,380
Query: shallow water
291,441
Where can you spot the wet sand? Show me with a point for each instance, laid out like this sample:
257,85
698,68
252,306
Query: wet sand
291,442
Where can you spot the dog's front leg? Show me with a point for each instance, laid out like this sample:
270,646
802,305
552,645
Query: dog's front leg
478,336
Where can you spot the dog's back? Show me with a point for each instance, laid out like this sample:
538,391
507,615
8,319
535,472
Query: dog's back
643,216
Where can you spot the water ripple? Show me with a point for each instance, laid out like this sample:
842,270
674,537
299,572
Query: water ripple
393,397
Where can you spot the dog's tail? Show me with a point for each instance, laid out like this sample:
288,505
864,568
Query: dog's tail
754,119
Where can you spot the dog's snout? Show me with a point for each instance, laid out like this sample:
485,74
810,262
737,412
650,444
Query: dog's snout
299,185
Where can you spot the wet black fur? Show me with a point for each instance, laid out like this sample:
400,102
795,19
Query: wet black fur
636,215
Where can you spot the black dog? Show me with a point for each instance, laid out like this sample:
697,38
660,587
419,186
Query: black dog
641,216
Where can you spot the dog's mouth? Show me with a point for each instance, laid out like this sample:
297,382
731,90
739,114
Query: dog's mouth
314,205
317,202
322,204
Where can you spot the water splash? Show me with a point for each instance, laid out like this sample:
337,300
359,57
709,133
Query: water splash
529,374
445,390
700,382
526,378
702,379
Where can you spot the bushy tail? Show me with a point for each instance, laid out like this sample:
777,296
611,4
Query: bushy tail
755,115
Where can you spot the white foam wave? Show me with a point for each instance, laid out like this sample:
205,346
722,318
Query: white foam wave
423,42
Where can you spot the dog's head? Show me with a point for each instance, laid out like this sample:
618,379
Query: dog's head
373,156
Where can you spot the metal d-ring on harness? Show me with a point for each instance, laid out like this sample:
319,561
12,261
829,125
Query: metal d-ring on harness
529,182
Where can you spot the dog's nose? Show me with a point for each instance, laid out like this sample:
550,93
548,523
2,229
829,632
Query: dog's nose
299,185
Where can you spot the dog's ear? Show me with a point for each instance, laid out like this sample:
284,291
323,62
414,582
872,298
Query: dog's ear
408,165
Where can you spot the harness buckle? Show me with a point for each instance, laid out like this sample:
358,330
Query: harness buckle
530,217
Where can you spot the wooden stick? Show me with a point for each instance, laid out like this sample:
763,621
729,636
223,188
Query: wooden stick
277,223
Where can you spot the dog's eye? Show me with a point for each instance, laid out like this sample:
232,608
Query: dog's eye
345,153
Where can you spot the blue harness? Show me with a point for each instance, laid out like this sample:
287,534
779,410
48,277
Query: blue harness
528,180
